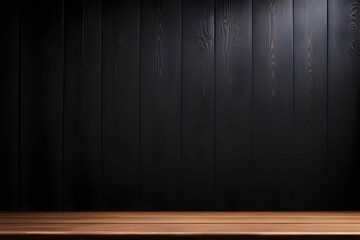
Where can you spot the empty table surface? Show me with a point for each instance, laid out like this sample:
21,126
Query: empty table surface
186,224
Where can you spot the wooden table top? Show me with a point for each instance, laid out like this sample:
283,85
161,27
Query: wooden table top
181,223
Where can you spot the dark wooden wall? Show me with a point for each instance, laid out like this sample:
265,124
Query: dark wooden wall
180,105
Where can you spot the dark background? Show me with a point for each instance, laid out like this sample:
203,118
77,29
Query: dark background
180,105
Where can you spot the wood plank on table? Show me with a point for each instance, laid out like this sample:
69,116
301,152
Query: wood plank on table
181,217
182,229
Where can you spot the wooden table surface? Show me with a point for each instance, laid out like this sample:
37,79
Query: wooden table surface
180,223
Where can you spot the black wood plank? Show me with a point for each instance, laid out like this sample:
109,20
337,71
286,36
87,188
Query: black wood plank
160,104
198,104
233,93
9,106
41,104
343,106
120,60
273,103
310,105
82,105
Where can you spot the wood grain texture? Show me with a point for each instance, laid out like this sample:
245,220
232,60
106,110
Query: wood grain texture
160,105
180,105
197,166
41,104
183,229
273,103
205,217
186,224
9,106
233,104
82,99
310,105
120,126
343,116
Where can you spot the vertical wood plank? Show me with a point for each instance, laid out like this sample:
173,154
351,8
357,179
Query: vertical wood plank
198,104
120,53
273,102
343,119
233,169
41,104
160,103
82,99
9,106
310,104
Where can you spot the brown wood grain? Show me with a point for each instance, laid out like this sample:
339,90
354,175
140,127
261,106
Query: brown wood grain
182,229
181,223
